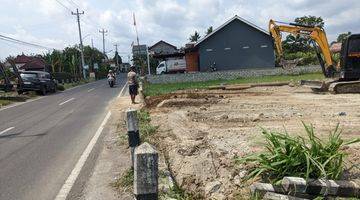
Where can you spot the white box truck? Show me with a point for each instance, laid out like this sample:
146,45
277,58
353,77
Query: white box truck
171,66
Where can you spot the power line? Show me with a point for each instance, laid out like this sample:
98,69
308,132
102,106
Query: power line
10,39
72,2
67,8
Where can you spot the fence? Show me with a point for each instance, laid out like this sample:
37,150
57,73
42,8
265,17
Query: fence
229,75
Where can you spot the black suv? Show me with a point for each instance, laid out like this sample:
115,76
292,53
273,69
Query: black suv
38,81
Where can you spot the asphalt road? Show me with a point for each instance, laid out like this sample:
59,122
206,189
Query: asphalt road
41,141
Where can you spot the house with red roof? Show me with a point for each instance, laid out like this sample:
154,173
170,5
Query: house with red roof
30,63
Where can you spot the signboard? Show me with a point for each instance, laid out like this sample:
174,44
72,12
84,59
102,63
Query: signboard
92,75
96,66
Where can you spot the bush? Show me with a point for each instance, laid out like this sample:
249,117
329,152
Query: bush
308,58
60,87
298,156
62,76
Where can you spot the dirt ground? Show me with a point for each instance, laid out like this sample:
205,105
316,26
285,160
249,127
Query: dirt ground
201,133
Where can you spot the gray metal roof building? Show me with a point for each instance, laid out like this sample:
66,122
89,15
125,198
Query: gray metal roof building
237,44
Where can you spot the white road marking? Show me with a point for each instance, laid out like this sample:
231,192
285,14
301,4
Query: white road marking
6,130
69,183
122,90
67,101
91,89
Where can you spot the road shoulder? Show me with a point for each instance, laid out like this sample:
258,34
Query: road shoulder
114,157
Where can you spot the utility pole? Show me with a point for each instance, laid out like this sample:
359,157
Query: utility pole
81,43
92,43
103,31
148,60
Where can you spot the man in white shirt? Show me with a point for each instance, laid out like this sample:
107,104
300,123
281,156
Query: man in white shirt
133,84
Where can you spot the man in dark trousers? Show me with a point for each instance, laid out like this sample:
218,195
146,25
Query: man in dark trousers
133,84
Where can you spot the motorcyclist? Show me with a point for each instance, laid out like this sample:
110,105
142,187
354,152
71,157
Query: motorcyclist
111,74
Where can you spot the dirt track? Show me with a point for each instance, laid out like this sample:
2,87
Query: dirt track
202,134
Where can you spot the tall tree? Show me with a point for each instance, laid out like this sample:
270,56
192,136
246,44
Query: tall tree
118,57
299,43
310,21
342,37
209,30
195,37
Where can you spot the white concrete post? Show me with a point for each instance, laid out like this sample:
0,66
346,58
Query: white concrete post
146,172
133,131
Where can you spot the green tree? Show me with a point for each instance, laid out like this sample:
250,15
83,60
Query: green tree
195,37
209,30
118,57
342,37
310,21
299,43
91,56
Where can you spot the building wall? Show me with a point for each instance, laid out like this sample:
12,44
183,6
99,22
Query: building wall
237,46
192,61
163,48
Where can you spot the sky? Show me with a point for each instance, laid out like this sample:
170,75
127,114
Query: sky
50,22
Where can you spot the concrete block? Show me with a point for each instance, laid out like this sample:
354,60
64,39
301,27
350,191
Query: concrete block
275,196
146,172
294,185
132,120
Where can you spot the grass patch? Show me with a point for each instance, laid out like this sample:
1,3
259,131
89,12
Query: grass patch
145,128
126,181
298,156
159,89
4,103
177,193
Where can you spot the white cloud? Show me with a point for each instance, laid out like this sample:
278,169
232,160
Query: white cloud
46,22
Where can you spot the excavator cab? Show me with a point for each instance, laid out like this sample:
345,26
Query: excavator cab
350,58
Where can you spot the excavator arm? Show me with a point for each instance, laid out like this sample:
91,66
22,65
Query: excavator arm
317,35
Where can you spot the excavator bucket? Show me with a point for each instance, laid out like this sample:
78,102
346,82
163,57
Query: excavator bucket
317,86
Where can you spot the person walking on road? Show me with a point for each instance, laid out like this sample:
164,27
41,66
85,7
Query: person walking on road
133,84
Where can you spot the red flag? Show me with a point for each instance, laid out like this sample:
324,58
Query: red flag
134,19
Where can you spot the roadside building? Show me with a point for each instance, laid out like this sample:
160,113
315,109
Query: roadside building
162,48
237,44
30,63
124,67
191,57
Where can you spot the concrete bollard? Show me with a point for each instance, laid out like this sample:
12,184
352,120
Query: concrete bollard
275,196
262,188
146,172
295,185
133,131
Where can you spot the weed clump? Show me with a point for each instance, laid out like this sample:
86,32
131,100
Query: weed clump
298,156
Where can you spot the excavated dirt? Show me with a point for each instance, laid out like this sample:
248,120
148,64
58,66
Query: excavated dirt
202,134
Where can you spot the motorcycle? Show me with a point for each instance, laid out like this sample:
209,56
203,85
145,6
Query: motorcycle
111,81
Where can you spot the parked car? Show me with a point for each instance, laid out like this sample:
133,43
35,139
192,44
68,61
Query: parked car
171,66
38,81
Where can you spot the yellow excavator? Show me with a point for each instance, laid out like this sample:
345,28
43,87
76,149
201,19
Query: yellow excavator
343,77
